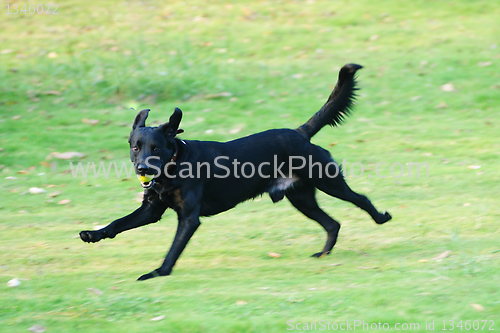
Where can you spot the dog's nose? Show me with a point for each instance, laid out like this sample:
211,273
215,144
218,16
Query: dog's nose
143,168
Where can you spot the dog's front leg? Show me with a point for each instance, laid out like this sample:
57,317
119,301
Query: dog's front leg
151,210
188,222
185,230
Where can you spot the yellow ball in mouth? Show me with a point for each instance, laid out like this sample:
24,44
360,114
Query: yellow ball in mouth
145,179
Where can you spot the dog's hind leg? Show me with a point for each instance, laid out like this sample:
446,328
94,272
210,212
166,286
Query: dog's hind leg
303,198
338,188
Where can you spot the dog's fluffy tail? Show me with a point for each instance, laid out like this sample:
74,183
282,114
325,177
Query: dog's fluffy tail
338,105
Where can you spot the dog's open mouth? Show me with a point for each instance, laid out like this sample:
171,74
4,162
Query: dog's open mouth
147,185
147,181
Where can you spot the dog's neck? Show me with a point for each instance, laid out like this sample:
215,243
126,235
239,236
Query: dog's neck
178,143
175,154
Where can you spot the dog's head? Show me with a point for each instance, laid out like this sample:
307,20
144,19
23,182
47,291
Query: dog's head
151,148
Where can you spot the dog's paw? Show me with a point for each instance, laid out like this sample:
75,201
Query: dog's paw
151,275
384,218
146,277
387,216
320,254
91,236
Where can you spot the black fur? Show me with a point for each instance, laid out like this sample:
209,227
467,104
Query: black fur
338,105
208,194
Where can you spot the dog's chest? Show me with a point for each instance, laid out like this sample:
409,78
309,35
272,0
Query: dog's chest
171,196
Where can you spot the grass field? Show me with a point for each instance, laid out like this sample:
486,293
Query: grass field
430,93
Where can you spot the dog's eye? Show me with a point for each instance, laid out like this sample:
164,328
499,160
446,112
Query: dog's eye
135,148
156,149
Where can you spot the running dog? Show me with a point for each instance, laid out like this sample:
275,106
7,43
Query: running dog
202,178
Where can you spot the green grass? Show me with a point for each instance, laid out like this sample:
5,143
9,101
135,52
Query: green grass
279,61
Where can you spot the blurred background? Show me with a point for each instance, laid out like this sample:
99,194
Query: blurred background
71,74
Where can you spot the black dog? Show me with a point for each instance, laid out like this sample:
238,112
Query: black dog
202,178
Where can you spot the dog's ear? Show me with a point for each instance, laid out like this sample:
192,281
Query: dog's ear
172,127
140,119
